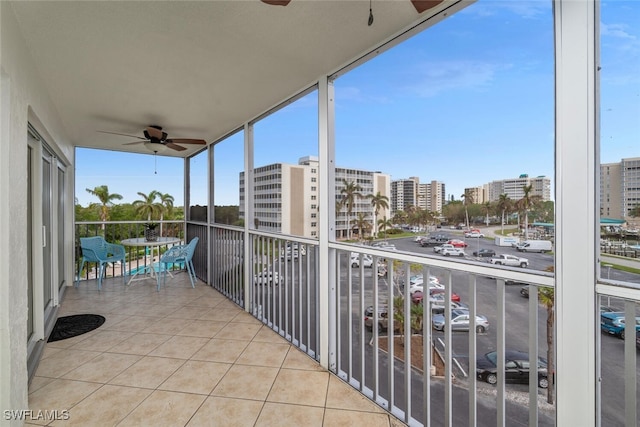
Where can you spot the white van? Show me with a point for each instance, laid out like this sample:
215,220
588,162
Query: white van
534,246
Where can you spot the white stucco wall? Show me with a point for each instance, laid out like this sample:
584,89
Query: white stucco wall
22,99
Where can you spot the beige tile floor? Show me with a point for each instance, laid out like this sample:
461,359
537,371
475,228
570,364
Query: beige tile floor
185,357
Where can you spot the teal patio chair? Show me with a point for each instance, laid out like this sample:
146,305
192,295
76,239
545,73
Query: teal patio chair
98,250
176,255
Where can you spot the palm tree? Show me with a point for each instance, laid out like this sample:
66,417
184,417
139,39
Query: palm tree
362,224
400,218
106,199
487,208
351,193
504,205
467,199
525,203
384,224
166,200
546,296
378,202
147,206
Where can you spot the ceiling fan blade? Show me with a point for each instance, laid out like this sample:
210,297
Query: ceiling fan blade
277,2
122,134
174,146
422,5
187,141
155,132
135,142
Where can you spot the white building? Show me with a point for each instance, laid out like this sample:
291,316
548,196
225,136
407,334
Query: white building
513,188
286,197
620,189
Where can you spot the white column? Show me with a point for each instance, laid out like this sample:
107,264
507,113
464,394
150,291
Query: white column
576,167
327,232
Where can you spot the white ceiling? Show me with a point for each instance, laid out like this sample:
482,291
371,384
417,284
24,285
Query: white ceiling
199,69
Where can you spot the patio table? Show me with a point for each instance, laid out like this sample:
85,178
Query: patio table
147,271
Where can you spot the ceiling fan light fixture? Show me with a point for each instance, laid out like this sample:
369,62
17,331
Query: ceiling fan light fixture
155,147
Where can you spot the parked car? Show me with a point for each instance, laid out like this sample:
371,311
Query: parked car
384,245
516,368
460,321
437,305
613,323
458,243
505,259
434,291
534,246
266,277
416,283
524,291
367,260
474,234
383,318
439,248
452,252
485,253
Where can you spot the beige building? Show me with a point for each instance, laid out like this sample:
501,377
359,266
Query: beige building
620,189
410,192
286,197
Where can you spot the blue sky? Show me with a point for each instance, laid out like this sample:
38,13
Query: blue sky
465,102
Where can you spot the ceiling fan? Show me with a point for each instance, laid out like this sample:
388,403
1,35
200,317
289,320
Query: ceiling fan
156,140
420,5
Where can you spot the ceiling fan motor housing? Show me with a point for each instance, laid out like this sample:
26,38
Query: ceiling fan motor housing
153,138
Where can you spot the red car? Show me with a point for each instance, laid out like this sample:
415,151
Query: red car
458,243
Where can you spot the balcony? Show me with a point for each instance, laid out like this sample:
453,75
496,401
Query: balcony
185,356
221,350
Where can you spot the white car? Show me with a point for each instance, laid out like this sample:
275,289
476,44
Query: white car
473,234
384,245
367,261
266,278
439,249
452,252
416,284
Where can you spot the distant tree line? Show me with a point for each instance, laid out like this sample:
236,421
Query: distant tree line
155,206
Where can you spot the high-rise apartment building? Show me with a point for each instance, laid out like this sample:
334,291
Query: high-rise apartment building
514,188
410,192
477,194
620,189
286,197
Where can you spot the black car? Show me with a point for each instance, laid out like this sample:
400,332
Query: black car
524,291
485,253
516,368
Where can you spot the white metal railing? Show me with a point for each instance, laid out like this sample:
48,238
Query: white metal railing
115,232
283,282
367,361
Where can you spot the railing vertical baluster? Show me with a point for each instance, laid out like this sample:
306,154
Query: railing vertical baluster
407,342
448,363
630,376
427,348
473,403
501,349
533,356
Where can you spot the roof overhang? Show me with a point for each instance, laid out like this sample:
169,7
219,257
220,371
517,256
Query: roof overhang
199,69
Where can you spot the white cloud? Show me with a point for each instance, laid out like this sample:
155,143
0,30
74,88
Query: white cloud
432,78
